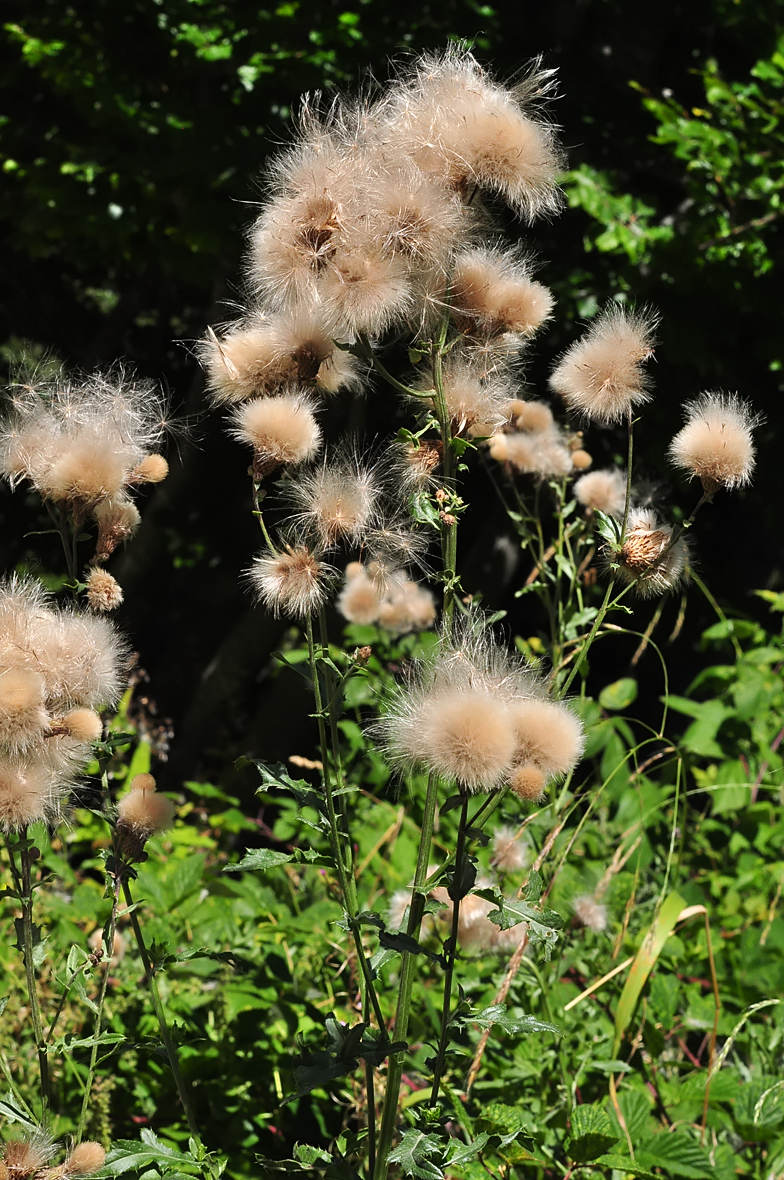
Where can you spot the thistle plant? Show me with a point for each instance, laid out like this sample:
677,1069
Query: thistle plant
375,230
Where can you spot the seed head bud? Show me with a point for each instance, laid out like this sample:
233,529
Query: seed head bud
142,813
104,593
527,782
83,725
152,469
86,1158
581,460
716,444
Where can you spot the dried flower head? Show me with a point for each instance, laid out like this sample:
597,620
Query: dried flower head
364,291
648,558
528,783
280,430
117,521
604,491
590,912
104,593
406,606
581,459
82,724
293,582
533,416
716,444
24,1157
601,376
86,1158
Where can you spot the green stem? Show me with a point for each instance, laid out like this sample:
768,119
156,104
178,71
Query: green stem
99,1014
166,1037
405,984
257,512
366,350
345,877
630,454
23,882
451,953
600,615
449,531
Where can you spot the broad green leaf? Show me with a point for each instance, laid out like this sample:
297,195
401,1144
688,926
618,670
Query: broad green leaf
619,695
592,1133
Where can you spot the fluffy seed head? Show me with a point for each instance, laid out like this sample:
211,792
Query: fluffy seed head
589,912
88,471
511,853
549,736
104,593
280,429
292,582
27,794
533,416
601,376
475,404
23,1157
86,1158
365,292
603,490
338,501
645,558
143,811
464,736
406,606
716,444
493,293
581,460
263,354
361,597
23,717
541,453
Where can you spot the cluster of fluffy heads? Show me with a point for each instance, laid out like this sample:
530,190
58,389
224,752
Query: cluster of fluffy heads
349,503
141,813
31,1159
716,445
367,220
84,445
394,601
532,443
601,377
57,667
474,715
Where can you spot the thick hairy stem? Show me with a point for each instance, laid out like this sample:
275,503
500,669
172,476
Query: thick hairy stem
405,984
99,1014
451,952
345,877
166,1036
23,882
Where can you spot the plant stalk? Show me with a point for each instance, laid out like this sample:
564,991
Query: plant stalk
23,882
451,954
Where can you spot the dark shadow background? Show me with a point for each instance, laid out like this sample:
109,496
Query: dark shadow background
134,135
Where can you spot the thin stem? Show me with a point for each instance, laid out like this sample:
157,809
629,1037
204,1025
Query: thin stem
449,530
99,1014
257,512
591,636
405,984
371,1108
629,456
451,953
365,348
166,1037
23,882
347,885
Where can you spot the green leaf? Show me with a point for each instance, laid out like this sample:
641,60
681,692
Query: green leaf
591,1133
619,695
412,1154
496,1014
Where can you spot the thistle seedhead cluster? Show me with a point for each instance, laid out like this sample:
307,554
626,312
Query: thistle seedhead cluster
396,602
532,443
474,715
31,1159
57,667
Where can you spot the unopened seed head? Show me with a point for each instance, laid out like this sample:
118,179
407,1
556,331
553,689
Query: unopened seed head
581,460
716,445
549,736
533,416
527,782
83,725
104,593
601,377
152,469
143,810
86,1158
